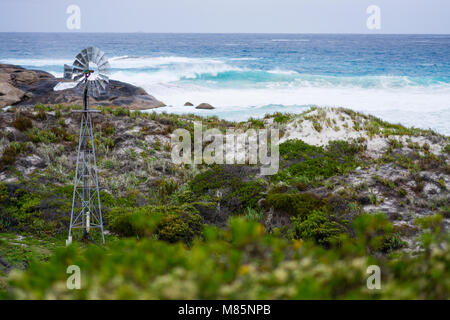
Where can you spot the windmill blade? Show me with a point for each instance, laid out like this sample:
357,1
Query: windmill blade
101,83
80,64
78,70
80,86
68,72
100,57
77,65
91,87
103,61
97,54
78,76
90,54
103,78
104,84
64,86
104,68
82,61
84,53
96,89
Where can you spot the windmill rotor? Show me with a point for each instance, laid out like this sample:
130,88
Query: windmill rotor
90,70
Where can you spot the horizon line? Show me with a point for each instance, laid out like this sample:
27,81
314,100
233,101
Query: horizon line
292,33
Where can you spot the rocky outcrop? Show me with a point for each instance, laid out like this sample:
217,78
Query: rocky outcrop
14,82
9,94
19,86
205,106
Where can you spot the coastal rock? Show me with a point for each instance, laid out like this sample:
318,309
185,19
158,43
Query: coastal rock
205,106
19,86
9,94
188,104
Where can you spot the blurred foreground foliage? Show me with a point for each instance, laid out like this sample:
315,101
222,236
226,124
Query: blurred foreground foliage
242,261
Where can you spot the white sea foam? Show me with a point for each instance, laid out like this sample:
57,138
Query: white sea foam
285,72
243,59
126,62
37,62
290,40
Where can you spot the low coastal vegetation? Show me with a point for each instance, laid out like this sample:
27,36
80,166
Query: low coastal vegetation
351,191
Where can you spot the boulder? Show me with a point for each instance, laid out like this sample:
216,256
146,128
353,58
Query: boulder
9,94
205,106
188,104
19,86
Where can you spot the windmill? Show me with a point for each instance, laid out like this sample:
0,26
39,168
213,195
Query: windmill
89,72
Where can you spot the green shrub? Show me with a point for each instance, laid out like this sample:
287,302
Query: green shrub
174,228
9,155
372,128
157,145
41,107
402,192
317,226
107,129
295,204
298,149
41,115
256,123
376,233
169,223
446,149
432,227
239,194
62,134
22,123
281,117
311,163
32,209
317,126
120,112
166,187
253,214
45,136
248,193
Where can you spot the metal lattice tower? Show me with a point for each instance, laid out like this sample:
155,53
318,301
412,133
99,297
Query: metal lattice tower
86,205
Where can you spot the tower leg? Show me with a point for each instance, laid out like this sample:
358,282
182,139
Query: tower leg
75,184
100,216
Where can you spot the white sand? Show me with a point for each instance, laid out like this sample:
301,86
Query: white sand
337,125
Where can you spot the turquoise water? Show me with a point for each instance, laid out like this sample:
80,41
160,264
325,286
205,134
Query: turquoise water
400,78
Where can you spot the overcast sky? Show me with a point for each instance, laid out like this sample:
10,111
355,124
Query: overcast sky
262,16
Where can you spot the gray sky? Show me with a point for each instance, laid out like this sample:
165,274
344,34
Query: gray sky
271,16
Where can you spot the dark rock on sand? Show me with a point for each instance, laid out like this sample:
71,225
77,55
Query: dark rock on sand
188,104
206,106
19,86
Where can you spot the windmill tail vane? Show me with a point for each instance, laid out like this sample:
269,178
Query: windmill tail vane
86,212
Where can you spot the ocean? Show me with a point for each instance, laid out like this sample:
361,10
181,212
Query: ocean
399,78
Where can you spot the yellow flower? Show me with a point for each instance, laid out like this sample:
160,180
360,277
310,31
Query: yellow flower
298,244
244,269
